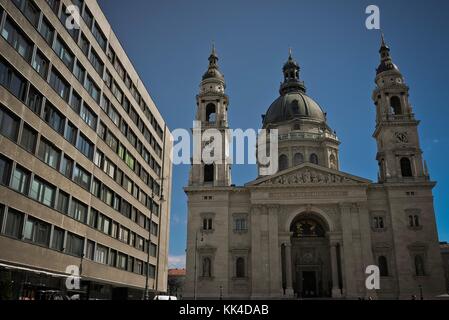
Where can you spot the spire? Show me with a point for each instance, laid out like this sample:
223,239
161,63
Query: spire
291,76
213,70
386,63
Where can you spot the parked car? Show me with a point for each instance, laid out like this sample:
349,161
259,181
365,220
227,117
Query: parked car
164,297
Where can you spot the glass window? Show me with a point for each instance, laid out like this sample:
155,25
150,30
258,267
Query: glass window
82,177
88,17
42,192
79,72
37,231
98,158
31,11
89,116
112,113
107,78
63,202
151,271
58,84
92,89
9,124
114,229
40,64
12,80
153,250
75,102
118,94
90,247
34,101
74,245
85,146
122,261
49,153
119,68
109,168
57,242
20,180
111,141
129,159
47,31
101,254
104,223
67,167
28,138
140,243
64,53
14,223
107,195
78,210
84,44
15,37
123,234
96,188
98,34
138,267
154,228
240,224
96,62
54,118
70,133
113,258
93,218
5,170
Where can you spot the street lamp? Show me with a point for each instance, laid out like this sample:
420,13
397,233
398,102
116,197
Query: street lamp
196,249
161,198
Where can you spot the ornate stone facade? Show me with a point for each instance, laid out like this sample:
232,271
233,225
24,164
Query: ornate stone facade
311,230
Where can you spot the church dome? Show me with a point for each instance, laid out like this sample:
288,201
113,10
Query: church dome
293,102
293,105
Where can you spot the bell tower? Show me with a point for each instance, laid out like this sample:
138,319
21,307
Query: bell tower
212,113
399,154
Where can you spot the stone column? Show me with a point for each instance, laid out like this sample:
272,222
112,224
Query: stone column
288,269
336,293
348,252
273,245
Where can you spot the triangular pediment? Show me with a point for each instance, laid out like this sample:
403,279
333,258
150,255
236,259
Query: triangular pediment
308,174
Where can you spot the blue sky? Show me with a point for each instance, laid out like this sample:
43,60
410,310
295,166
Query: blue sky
169,42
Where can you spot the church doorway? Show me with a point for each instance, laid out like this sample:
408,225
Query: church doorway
309,285
310,251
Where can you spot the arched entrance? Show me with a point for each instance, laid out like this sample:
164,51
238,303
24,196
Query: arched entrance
310,257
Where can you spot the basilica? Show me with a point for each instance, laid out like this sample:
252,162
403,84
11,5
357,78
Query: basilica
311,230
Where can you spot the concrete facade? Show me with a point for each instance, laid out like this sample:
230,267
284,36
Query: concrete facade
135,185
311,230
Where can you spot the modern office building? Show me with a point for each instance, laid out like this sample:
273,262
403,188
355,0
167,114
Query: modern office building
84,158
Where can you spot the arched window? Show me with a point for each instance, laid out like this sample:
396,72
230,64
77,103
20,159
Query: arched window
416,219
406,167
419,265
210,113
240,267
207,267
395,104
332,162
208,173
283,162
298,159
314,158
383,266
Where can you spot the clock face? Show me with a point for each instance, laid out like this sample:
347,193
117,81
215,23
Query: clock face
401,137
